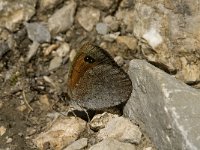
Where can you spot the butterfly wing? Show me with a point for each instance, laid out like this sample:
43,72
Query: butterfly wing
95,80
103,86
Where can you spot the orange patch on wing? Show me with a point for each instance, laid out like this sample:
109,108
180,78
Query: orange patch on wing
78,69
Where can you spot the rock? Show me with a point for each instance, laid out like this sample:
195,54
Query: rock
102,28
55,63
13,13
63,50
127,3
127,18
190,73
112,144
153,38
99,121
119,60
32,51
72,55
3,48
88,17
21,108
63,18
166,108
77,145
63,131
48,4
9,140
2,130
50,48
102,4
130,42
121,129
112,23
7,41
38,32
111,37
148,148
49,80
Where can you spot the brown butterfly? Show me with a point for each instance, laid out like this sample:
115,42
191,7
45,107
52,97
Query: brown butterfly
95,81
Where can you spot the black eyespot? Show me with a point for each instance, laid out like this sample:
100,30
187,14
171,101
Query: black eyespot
89,59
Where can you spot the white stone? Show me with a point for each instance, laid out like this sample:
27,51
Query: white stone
153,37
63,50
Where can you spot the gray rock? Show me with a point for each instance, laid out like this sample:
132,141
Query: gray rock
38,32
167,109
3,49
112,23
88,17
63,18
77,145
112,144
111,37
32,51
55,63
121,129
102,28
13,13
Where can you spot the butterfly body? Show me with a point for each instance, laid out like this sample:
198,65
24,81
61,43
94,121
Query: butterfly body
95,81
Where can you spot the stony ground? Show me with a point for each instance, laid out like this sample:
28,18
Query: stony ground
38,39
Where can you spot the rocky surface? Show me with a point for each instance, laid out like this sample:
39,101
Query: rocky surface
109,144
165,107
121,129
39,39
62,132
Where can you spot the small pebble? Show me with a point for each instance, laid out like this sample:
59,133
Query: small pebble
72,55
119,60
21,108
2,130
102,28
9,140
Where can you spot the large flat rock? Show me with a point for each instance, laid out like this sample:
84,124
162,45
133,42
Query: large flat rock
167,109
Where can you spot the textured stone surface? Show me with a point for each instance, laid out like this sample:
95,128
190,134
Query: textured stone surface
48,4
77,145
168,109
102,28
99,121
171,29
63,132
38,32
121,129
14,13
63,18
88,17
111,144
